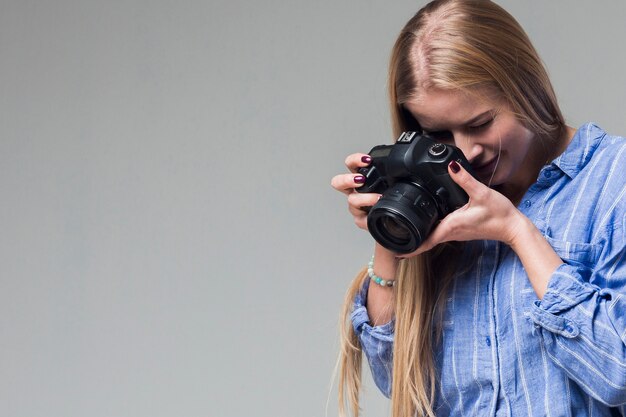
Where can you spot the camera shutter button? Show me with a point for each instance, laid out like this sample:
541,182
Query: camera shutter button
437,150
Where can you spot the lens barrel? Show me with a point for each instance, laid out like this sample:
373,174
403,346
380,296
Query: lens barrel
403,217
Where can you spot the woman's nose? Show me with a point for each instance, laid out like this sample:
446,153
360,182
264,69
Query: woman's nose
470,149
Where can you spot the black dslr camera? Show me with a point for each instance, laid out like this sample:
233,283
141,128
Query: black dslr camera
417,191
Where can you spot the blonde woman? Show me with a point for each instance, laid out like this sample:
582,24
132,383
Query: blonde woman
514,304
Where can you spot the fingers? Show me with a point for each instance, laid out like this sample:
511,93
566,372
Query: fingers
357,160
442,233
357,202
346,183
361,221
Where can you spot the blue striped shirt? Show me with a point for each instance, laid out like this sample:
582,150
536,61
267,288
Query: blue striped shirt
504,352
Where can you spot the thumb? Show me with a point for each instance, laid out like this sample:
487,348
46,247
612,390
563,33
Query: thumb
465,180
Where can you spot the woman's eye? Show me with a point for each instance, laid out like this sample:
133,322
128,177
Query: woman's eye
441,135
481,126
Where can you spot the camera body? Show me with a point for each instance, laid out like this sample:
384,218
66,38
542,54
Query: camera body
417,191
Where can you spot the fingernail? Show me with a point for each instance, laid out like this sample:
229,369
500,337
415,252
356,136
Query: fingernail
367,159
359,179
454,166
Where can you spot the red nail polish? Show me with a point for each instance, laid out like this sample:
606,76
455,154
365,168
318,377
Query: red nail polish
366,159
359,179
455,167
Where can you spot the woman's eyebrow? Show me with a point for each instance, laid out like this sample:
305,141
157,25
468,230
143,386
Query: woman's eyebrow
469,122
478,117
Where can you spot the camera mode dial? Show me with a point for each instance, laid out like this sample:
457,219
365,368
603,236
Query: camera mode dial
437,150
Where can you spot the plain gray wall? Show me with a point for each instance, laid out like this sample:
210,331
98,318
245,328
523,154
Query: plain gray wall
171,245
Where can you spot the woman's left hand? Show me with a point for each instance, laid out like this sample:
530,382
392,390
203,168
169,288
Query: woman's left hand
488,215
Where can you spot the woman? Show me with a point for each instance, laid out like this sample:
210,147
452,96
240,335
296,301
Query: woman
514,305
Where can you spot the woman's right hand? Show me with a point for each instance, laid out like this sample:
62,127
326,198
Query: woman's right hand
347,184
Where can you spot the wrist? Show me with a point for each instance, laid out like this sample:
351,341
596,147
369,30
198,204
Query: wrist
521,231
537,256
385,264
385,255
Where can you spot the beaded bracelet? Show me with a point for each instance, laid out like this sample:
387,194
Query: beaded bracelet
378,280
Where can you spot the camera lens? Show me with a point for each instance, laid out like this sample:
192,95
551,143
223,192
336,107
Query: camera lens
403,217
394,229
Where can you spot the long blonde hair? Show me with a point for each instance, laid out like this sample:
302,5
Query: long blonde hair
466,45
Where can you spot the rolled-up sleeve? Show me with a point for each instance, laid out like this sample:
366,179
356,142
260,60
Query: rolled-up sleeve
582,323
376,342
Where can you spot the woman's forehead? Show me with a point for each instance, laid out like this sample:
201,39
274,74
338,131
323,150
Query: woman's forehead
434,107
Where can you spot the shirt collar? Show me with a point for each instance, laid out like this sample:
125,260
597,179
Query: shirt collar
580,150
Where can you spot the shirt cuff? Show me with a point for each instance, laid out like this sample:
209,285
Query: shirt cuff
361,320
566,289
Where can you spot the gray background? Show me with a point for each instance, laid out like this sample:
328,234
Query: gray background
171,245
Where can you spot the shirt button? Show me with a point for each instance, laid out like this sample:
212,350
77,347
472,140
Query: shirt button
569,329
527,203
547,174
